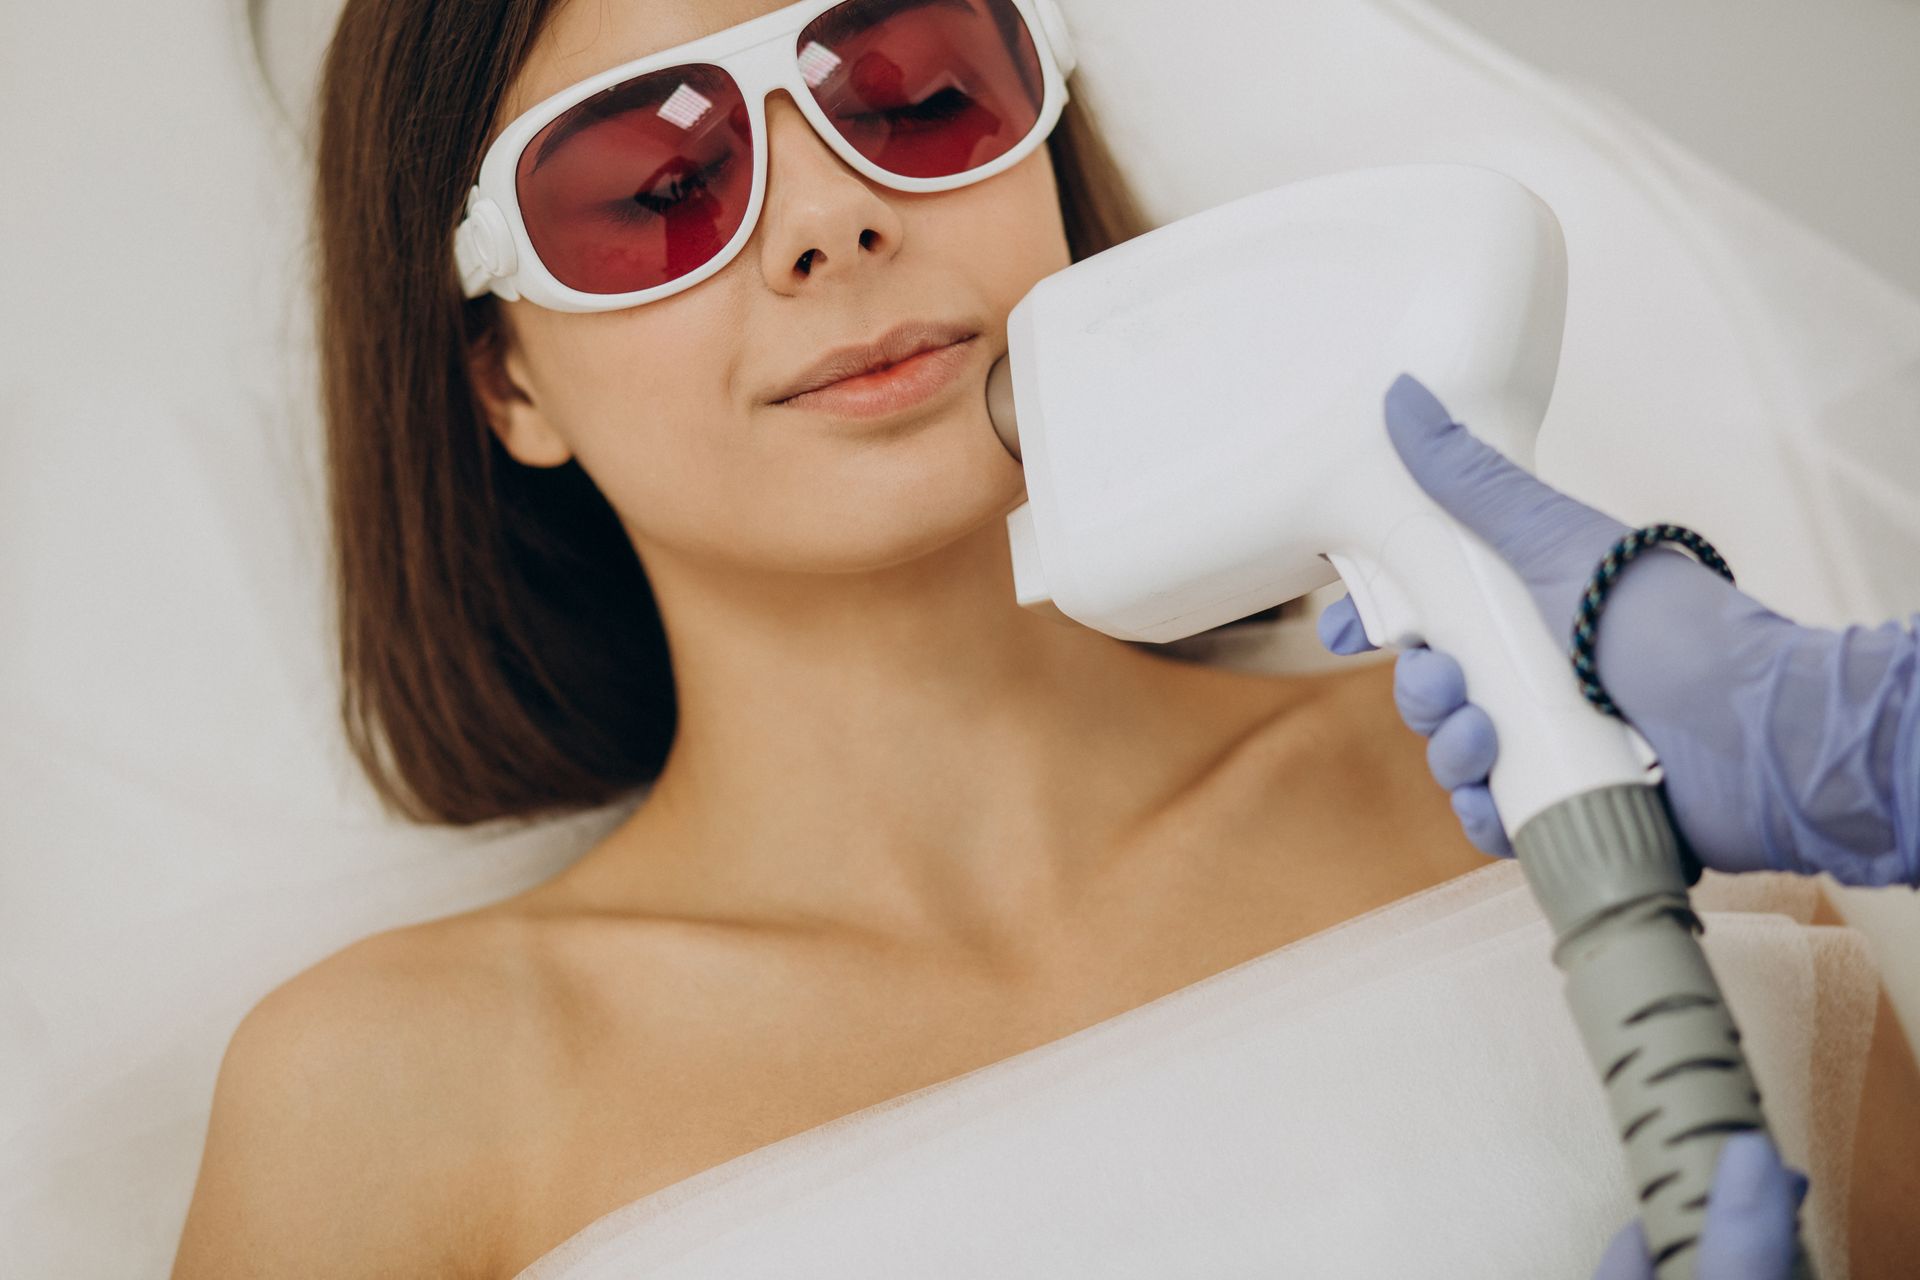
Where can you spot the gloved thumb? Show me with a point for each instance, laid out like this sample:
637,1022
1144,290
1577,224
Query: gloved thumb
1751,1220
1552,541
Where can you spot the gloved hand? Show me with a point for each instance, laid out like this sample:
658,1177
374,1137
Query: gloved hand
1784,747
1751,1220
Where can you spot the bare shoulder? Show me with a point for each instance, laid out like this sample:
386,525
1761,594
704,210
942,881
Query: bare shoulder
1341,728
355,1107
1325,758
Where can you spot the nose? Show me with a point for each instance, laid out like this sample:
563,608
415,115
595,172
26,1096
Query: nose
822,220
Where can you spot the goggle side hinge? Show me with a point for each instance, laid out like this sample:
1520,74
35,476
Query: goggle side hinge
483,250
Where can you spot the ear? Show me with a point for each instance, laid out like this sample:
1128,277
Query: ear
499,375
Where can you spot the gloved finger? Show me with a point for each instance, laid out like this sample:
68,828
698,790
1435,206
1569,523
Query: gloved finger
1341,630
1463,748
1626,1257
1528,522
1480,819
1428,686
1751,1220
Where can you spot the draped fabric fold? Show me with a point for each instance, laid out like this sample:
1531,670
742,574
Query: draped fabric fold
1401,1095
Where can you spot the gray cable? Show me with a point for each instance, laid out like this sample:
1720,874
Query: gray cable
1606,868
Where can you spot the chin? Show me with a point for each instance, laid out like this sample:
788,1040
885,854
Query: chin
912,527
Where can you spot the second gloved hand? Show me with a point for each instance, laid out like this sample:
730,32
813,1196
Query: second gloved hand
1784,747
1751,1225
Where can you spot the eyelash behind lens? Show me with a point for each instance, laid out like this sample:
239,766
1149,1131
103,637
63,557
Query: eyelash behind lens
644,206
942,106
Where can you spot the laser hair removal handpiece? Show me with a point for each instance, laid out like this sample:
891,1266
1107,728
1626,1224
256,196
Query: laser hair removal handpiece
1198,412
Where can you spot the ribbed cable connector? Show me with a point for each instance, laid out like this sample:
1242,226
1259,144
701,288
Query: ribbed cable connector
1606,869
1598,852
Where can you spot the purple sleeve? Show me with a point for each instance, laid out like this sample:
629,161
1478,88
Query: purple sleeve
1838,730
1905,756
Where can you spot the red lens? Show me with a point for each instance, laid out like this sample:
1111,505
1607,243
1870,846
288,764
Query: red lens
648,180
925,88
641,183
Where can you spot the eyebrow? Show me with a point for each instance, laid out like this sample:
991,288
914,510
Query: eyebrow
652,92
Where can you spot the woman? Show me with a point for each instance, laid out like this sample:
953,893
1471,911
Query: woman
898,828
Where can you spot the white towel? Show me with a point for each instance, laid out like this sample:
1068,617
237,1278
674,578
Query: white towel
1401,1095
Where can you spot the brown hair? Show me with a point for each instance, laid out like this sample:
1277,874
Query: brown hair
500,651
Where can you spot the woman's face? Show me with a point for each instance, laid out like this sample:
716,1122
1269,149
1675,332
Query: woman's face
667,405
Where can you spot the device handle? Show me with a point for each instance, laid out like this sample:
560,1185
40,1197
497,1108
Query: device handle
1432,581
1597,845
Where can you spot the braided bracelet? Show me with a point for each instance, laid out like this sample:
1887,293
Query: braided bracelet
1587,618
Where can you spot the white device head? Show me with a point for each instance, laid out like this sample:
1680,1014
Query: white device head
1199,415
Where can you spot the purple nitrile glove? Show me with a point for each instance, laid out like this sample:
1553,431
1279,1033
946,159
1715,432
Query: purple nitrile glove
1751,1221
1784,747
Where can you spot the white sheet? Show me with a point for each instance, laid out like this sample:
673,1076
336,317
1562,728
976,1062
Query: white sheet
1403,1095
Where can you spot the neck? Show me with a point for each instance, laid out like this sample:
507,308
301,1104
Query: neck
906,747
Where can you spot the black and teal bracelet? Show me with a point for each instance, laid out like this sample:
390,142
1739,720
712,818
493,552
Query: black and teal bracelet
1587,617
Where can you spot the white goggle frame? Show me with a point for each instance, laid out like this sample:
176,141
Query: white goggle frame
493,253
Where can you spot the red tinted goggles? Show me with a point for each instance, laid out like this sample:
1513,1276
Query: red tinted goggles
647,178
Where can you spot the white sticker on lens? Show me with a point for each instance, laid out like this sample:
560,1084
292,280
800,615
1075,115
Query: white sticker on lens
685,107
817,62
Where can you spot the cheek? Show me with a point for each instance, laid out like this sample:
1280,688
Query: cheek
642,398
1015,231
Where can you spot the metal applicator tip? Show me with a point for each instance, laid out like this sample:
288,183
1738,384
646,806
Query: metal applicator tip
1006,423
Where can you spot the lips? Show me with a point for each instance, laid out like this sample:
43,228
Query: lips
902,342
